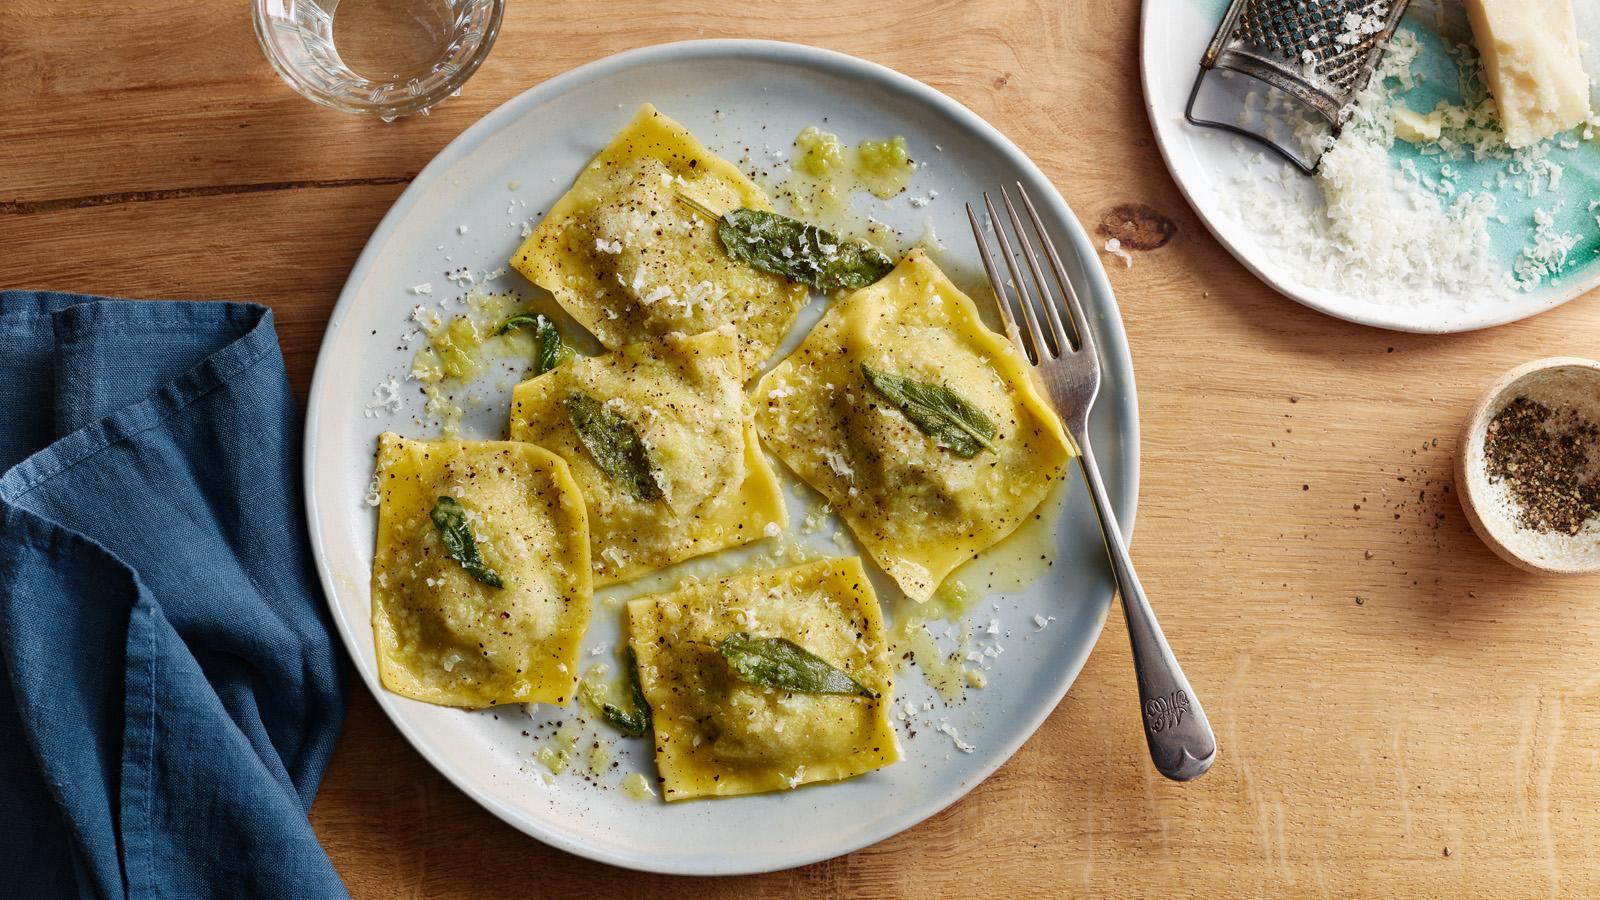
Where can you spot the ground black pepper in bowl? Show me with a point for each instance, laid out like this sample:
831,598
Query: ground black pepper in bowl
1549,460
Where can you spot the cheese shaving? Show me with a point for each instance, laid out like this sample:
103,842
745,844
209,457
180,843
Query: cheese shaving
1374,231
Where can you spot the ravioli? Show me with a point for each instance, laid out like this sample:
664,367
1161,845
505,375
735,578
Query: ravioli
918,508
718,736
629,261
682,396
442,635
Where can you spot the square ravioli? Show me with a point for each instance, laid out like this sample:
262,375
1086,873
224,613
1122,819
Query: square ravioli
921,494
716,735
678,472
444,635
629,261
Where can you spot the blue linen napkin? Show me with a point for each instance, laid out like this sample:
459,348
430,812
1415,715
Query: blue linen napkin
170,691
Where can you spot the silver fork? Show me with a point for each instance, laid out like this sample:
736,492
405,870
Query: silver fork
1175,725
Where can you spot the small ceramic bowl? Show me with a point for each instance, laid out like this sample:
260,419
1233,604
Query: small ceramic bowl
1559,381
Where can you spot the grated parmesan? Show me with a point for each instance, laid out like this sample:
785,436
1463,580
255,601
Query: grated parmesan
1546,255
1373,232
385,398
944,727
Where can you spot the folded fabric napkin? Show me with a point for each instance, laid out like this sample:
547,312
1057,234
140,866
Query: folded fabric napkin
171,691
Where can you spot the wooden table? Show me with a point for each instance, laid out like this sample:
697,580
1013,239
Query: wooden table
1399,712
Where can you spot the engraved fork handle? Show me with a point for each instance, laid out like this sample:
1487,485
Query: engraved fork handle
1175,726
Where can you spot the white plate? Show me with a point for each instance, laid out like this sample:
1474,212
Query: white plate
1204,163
733,94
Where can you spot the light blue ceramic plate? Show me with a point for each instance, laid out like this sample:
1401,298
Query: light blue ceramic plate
466,209
1205,162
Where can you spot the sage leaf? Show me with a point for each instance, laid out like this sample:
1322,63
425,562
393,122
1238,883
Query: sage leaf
937,411
636,722
779,245
614,446
450,517
781,663
549,350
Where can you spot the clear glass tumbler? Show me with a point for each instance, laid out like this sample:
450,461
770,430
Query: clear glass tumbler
384,58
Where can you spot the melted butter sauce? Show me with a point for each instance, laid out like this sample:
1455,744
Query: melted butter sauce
882,168
1010,566
597,687
600,756
826,174
1025,555
912,641
461,347
637,787
558,750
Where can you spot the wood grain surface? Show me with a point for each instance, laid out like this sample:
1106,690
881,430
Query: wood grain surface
1399,712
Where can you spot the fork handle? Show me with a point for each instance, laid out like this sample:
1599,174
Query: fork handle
1175,725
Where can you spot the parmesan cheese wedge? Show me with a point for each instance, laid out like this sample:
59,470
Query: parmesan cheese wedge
1532,62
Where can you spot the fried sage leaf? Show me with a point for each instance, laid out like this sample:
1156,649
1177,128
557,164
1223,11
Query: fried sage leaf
549,351
937,411
614,446
450,517
781,663
779,245
637,722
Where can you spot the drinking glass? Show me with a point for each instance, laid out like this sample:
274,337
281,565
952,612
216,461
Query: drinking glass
384,58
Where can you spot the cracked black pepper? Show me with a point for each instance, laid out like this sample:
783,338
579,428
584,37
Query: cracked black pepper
1549,459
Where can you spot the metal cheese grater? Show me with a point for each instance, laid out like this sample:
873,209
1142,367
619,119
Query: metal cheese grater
1318,53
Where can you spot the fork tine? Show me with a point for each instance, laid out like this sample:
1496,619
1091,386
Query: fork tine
995,282
1024,299
1080,323
1047,298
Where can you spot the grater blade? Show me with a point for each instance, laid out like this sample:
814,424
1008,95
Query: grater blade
1320,54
